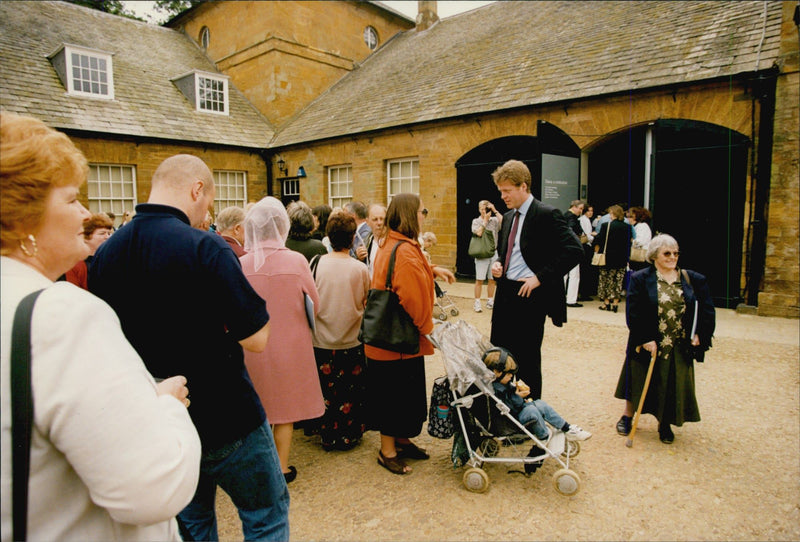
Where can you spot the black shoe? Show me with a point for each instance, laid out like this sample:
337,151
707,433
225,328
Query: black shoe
291,475
605,307
614,307
665,433
574,305
624,425
530,468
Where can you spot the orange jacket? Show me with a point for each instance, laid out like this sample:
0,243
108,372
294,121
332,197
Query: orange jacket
412,281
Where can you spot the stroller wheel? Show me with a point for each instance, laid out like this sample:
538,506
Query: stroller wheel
566,482
489,447
572,449
476,480
454,312
443,316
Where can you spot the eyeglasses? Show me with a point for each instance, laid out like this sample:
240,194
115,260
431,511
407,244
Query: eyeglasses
424,212
670,253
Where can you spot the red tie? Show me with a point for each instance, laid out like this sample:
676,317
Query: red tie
511,239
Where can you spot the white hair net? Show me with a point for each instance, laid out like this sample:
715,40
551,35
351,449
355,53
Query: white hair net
266,227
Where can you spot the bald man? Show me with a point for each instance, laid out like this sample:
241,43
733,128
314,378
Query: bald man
188,309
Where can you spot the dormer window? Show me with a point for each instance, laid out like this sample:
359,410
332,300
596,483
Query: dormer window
206,91
84,72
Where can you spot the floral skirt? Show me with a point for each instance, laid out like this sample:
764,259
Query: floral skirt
343,379
610,283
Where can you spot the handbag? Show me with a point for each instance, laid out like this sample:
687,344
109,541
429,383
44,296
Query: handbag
21,412
638,254
599,258
440,414
386,324
482,247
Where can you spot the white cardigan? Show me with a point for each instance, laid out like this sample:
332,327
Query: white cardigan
110,459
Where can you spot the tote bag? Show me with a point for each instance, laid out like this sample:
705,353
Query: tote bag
482,247
386,324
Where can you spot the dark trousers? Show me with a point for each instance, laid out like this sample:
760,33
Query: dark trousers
518,326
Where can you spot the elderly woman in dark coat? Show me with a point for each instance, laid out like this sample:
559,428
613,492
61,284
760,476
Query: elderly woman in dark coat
670,312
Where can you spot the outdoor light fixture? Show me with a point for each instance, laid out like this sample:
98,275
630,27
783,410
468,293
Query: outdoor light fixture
301,172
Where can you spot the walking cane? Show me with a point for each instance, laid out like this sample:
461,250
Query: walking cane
629,442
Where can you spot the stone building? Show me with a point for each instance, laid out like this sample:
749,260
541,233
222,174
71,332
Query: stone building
689,108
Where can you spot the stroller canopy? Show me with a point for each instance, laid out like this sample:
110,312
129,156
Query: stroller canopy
462,347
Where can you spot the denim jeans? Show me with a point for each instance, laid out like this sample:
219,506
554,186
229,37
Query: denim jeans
249,471
539,412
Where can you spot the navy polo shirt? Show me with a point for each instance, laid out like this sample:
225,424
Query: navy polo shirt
184,303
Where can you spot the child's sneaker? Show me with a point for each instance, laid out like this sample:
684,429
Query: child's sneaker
477,306
490,303
576,433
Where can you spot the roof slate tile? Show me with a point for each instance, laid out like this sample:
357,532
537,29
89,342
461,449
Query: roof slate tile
145,57
514,54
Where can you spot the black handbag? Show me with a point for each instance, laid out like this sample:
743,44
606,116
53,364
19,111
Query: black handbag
21,413
386,324
483,246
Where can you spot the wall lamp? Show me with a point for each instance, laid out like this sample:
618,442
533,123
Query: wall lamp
301,173
282,165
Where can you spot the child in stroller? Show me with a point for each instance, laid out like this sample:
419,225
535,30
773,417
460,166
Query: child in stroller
531,413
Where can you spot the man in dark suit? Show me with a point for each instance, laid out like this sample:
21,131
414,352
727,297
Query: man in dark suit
535,249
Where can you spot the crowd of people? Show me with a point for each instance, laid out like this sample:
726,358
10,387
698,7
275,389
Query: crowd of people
183,349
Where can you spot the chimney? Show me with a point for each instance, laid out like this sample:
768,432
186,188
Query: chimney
426,14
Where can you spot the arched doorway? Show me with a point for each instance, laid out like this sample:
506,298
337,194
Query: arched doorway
551,150
692,177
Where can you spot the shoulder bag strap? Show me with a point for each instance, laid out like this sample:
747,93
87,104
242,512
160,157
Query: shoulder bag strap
390,271
22,411
608,234
313,264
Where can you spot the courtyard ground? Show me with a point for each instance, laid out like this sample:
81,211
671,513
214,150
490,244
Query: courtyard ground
733,476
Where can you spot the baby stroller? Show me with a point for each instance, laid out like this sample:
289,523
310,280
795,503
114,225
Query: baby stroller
489,433
444,303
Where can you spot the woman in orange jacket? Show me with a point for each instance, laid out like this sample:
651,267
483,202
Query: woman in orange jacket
396,381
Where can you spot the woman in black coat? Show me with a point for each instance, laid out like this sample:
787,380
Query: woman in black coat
670,312
617,251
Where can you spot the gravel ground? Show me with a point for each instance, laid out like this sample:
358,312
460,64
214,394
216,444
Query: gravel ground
722,479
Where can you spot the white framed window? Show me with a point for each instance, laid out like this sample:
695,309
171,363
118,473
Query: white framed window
205,37
207,92
340,185
112,188
371,37
230,189
212,94
85,72
290,190
402,176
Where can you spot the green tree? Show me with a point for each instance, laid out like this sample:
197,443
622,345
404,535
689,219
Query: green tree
171,8
115,7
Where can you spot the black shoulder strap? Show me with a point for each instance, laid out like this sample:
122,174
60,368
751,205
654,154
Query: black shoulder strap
313,264
390,271
22,412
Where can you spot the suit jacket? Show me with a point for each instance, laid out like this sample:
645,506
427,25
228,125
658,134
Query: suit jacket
550,249
641,309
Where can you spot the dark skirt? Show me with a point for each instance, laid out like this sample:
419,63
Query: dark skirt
343,378
397,401
670,396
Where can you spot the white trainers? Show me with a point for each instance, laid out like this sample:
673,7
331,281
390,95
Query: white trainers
477,306
576,433
490,303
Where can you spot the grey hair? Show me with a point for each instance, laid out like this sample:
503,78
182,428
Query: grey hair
229,218
301,219
662,240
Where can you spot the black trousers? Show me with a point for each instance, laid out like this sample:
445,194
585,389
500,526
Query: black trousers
518,326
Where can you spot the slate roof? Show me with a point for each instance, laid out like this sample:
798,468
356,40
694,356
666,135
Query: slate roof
512,54
145,59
